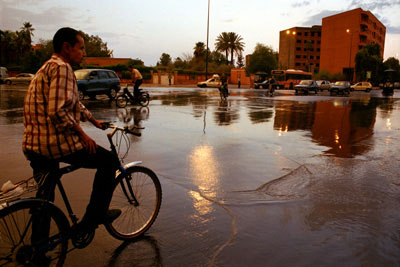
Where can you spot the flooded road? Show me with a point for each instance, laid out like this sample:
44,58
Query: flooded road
288,180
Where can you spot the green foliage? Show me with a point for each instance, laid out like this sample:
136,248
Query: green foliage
165,60
135,62
392,64
323,75
368,58
95,47
229,42
263,59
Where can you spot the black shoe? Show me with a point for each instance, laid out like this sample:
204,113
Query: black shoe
111,215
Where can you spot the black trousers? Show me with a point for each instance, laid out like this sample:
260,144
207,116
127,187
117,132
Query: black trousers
103,160
136,91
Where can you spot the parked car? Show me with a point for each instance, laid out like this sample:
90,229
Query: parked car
265,84
215,81
340,88
22,78
3,74
92,82
323,85
306,86
362,86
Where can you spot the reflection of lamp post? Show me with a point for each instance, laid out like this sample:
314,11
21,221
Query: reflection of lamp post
288,32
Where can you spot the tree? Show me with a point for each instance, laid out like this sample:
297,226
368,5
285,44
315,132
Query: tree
368,59
393,64
240,63
199,51
229,42
165,59
263,59
236,45
222,44
95,47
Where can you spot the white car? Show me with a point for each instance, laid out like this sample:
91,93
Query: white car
215,81
362,86
22,78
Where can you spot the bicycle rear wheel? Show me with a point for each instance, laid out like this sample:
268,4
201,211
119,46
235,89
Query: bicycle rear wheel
121,101
137,216
18,247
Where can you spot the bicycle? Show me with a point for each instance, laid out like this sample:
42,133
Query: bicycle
223,92
126,97
137,194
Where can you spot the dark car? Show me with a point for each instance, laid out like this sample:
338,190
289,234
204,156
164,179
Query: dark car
265,84
92,82
340,88
306,86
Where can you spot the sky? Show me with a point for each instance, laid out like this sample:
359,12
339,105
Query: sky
145,29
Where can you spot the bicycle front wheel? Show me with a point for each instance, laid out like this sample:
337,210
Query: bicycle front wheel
121,101
140,210
32,233
144,100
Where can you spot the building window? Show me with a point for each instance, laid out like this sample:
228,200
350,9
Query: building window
318,49
298,49
299,33
318,57
319,34
311,57
298,56
297,64
318,42
317,65
312,34
306,34
298,41
304,56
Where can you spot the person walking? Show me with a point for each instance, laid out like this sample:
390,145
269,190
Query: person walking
53,133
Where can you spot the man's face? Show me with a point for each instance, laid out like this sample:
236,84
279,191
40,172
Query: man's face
77,52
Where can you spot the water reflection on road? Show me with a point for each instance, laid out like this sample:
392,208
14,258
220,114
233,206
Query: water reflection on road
257,180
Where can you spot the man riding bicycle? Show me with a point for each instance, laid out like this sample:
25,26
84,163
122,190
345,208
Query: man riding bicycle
53,134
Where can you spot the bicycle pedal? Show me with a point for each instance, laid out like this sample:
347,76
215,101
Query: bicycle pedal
82,239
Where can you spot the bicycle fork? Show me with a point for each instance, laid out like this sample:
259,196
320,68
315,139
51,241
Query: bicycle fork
127,189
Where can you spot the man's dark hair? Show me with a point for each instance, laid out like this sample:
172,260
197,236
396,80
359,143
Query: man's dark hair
66,34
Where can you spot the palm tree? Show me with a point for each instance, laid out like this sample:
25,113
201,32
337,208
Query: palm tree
28,30
236,44
222,44
199,51
229,42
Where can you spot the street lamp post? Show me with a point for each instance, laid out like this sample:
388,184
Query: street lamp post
351,46
288,32
208,20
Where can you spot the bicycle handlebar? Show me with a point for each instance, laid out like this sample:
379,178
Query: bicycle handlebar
106,125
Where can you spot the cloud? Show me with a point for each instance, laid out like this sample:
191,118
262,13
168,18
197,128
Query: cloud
317,18
393,29
374,5
301,4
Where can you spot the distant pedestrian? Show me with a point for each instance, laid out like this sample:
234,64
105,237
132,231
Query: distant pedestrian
239,82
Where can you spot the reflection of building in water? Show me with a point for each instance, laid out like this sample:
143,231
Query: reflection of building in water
205,172
341,126
344,127
294,116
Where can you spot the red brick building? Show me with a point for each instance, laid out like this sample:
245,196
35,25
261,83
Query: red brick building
344,34
299,48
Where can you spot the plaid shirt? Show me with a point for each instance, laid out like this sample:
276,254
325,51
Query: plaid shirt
51,108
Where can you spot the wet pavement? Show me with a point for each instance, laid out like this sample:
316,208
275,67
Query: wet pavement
288,180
